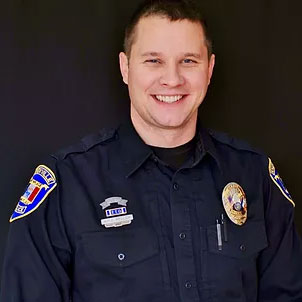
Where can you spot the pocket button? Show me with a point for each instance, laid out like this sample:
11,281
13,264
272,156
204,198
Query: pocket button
121,256
242,248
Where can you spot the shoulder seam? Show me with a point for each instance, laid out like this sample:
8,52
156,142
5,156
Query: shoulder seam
234,142
86,143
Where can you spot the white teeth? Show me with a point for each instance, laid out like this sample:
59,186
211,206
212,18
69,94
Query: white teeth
169,99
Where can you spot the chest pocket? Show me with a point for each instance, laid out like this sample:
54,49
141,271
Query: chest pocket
243,241
120,248
232,271
122,264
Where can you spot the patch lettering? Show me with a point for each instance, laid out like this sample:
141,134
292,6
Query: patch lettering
40,185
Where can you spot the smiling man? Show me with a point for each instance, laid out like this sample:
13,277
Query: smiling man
159,209
168,70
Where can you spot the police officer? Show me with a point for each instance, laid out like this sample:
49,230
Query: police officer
158,209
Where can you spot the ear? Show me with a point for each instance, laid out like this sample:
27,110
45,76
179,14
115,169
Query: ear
211,67
124,66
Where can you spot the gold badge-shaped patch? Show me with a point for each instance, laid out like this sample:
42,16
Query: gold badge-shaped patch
278,181
234,203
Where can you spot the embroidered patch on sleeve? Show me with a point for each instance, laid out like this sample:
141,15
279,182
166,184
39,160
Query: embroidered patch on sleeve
278,181
39,187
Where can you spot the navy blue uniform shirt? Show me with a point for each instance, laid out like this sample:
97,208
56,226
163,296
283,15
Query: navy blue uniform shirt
113,223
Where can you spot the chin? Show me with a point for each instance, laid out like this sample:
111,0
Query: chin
170,124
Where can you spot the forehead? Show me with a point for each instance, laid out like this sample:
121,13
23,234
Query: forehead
159,32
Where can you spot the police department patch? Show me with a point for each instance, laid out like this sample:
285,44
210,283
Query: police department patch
278,181
40,185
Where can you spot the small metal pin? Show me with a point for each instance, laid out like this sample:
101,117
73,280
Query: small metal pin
219,239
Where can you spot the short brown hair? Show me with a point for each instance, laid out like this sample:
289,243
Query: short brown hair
174,10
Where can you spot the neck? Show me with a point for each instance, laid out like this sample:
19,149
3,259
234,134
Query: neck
166,137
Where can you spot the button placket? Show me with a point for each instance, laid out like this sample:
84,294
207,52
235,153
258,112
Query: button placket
182,236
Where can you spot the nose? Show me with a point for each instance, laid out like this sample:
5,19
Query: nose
171,76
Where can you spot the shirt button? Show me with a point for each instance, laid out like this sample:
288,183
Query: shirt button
188,285
121,256
182,236
175,186
242,248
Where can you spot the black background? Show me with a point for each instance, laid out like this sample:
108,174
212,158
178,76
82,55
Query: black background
59,80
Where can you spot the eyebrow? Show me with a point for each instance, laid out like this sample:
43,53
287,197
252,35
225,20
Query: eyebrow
152,54
158,54
192,54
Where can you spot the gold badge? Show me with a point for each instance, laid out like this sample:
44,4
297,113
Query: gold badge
234,202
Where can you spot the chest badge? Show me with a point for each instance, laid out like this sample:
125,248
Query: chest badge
115,216
234,203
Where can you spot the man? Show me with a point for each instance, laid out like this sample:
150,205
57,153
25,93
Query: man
159,209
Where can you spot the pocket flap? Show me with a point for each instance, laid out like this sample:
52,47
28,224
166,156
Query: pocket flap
243,241
120,248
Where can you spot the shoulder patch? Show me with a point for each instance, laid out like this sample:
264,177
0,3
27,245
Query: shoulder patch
40,185
278,181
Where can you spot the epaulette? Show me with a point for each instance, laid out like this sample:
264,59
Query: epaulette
86,143
235,143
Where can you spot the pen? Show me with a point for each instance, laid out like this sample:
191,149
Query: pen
219,239
224,224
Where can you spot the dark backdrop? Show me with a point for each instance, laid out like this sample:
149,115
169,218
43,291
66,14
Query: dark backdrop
59,80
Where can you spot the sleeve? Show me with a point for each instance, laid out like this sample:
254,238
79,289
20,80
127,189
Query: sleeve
279,265
37,259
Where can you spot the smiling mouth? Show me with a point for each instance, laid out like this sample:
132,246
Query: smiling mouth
168,98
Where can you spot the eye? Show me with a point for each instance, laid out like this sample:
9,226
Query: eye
154,61
188,61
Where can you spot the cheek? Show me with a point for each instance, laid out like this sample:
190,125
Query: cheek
141,81
198,81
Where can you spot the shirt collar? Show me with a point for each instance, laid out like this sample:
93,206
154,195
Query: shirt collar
133,149
205,145
135,152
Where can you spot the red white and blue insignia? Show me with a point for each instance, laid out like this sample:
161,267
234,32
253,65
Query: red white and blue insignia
115,217
39,187
278,181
